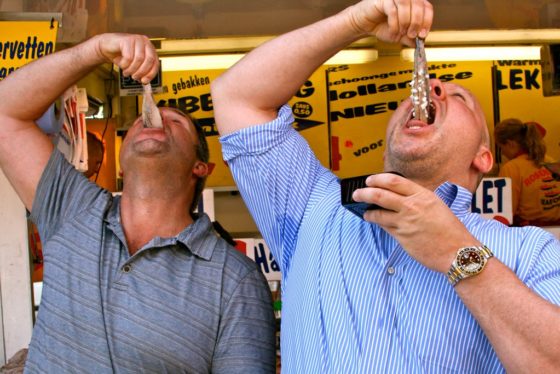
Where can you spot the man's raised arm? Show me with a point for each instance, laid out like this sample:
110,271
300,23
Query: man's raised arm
251,91
28,92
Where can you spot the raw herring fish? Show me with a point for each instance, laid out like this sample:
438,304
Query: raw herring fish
150,112
420,85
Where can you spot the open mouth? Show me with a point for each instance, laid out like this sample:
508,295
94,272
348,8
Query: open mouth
431,114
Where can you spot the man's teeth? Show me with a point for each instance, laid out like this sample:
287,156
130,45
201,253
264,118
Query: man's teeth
414,127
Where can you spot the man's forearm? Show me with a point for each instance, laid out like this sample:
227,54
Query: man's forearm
28,92
287,61
523,328
272,73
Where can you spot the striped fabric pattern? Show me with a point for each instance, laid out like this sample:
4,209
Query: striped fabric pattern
188,304
353,300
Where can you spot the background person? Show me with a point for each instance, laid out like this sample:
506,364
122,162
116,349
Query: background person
137,282
96,152
535,192
374,295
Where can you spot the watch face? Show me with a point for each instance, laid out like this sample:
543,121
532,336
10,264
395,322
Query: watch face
470,260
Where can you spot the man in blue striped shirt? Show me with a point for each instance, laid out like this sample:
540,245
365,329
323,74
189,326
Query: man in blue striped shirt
423,285
135,283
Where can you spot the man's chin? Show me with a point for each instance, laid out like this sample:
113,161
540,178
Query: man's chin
404,160
410,150
150,147
150,154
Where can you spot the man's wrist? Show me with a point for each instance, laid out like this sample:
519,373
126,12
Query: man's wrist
355,19
468,262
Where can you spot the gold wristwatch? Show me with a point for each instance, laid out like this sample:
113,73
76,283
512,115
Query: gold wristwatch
469,261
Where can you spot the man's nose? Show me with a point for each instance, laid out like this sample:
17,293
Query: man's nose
163,115
437,88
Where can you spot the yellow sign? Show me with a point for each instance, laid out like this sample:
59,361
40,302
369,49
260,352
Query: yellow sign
24,41
190,92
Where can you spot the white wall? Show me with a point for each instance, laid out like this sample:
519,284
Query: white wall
16,320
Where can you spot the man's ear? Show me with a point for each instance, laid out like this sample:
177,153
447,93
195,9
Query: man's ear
484,160
200,169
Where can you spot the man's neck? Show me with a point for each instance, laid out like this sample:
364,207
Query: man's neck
150,209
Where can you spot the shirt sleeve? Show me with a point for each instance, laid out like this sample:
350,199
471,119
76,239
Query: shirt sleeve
61,193
276,173
246,341
544,276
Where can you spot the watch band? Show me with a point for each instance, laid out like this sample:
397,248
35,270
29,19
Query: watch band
455,274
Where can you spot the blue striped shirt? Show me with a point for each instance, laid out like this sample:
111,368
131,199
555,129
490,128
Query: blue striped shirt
353,300
185,304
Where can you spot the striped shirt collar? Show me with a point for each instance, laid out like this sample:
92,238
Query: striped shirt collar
457,198
198,237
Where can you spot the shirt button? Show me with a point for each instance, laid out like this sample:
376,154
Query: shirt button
391,270
126,268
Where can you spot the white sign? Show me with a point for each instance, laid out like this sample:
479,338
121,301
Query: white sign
492,199
258,251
